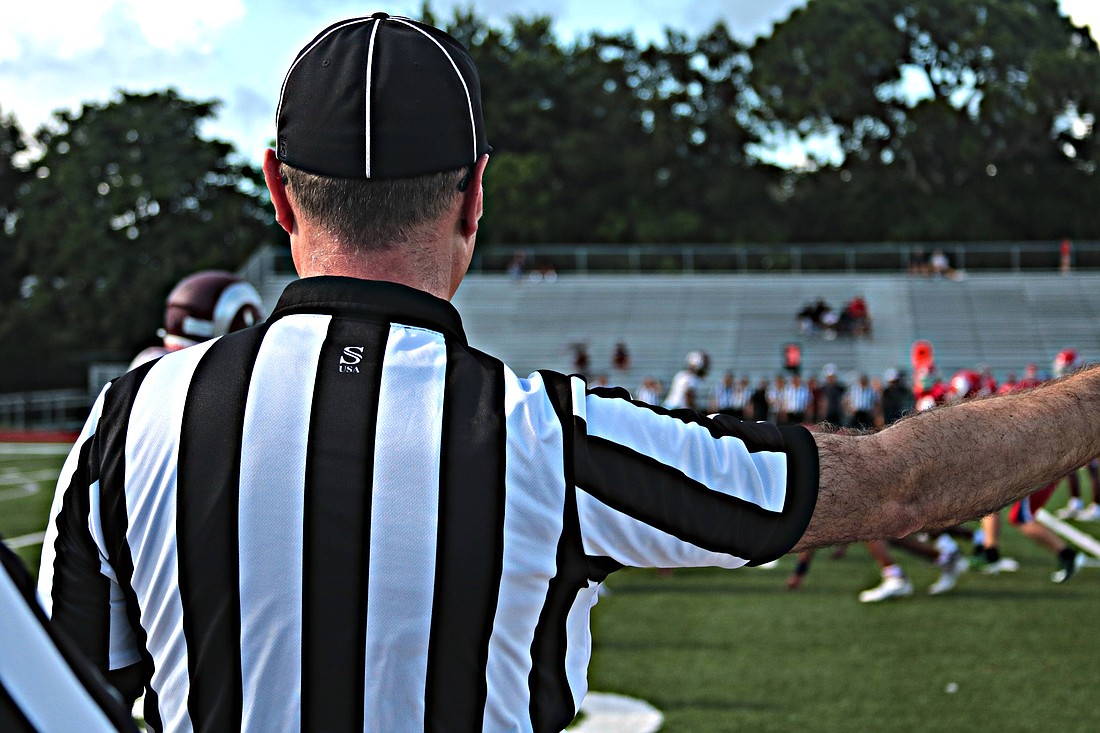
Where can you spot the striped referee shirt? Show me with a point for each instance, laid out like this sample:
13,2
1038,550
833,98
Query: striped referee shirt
349,519
45,684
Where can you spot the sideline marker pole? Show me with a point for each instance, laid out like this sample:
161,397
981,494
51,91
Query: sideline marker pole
1085,541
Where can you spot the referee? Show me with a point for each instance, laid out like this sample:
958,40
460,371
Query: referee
349,518
45,684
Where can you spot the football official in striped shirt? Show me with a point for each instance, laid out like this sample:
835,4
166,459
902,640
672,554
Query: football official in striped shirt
350,519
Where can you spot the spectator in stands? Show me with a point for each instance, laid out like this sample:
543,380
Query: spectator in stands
543,272
830,399
807,320
940,266
818,317
862,402
857,317
918,262
620,358
580,358
515,267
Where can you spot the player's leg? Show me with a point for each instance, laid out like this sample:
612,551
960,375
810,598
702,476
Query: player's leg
894,583
802,566
1069,558
1091,513
990,560
1074,506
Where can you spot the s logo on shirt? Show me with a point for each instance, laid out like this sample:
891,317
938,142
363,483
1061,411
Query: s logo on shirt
349,360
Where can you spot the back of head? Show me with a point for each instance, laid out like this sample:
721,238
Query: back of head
379,121
209,304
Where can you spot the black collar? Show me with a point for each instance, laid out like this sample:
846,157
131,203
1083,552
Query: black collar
374,299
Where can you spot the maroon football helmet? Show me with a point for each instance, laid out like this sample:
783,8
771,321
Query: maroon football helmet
208,304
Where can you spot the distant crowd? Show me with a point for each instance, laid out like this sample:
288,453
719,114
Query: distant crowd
818,318
787,398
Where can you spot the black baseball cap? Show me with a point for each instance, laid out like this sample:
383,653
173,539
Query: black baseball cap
381,97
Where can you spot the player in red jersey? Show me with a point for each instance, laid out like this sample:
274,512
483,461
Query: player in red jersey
1021,515
1068,360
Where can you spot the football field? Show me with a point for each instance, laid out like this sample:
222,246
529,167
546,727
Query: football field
735,651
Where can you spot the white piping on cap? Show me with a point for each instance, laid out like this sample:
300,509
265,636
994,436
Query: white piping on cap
370,75
282,89
469,101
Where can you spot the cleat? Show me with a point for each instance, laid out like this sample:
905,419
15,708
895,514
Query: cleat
950,571
1091,513
889,588
1067,568
1004,565
1070,510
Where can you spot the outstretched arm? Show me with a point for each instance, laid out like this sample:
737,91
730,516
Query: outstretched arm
951,464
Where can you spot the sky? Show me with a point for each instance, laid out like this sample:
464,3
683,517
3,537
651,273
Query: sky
238,50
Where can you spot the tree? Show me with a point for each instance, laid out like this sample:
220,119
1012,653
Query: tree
125,199
953,109
607,141
12,177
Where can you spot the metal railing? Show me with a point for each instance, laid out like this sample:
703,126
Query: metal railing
53,409
787,258
871,257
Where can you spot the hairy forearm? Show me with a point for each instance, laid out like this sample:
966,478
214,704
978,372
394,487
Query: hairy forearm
954,463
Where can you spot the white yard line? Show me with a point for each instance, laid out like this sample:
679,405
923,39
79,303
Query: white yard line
36,449
27,489
11,478
27,540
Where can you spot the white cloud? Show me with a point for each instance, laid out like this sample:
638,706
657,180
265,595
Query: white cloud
73,28
177,25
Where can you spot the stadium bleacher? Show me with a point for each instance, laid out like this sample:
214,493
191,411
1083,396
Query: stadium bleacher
1000,320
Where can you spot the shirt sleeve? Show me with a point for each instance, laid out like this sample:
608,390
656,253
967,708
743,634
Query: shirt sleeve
661,488
77,586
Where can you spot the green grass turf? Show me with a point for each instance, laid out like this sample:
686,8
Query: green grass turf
27,481
735,651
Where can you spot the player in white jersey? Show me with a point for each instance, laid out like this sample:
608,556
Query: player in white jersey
684,392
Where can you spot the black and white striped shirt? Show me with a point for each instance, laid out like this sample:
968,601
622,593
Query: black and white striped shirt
349,519
45,684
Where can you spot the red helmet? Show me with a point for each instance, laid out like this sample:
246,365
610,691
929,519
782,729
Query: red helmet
208,304
1066,361
965,383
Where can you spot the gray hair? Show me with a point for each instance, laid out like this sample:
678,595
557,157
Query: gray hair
366,214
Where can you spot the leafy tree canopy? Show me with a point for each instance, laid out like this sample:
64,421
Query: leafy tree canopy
124,200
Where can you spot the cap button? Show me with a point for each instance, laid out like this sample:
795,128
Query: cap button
381,16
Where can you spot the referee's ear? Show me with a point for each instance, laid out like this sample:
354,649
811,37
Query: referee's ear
473,199
284,214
